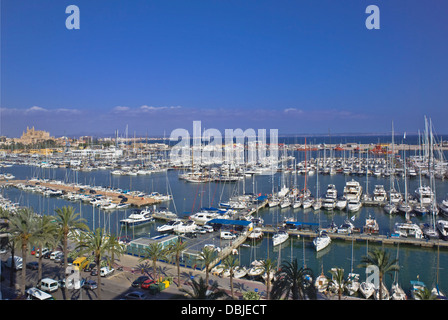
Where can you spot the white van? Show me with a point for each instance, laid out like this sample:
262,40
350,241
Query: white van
106,271
36,294
226,235
49,285
17,262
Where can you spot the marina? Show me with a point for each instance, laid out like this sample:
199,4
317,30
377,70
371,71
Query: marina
254,216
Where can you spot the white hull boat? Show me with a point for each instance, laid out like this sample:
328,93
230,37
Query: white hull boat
279,238
322,241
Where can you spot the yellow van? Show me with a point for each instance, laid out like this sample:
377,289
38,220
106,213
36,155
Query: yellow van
80,263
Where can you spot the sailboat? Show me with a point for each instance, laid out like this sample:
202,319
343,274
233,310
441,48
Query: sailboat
353,278
279,238
318,202
394,196
367,289
397,292
384,292
321,282
322,241
404,206
256,268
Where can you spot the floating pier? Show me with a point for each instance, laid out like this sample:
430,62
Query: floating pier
364,237
65,188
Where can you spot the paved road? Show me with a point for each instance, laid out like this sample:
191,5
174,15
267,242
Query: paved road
118,284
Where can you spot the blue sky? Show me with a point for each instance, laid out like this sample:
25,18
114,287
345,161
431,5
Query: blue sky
302,66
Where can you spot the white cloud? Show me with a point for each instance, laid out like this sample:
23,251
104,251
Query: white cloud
151,108
120,109
36,109
292,110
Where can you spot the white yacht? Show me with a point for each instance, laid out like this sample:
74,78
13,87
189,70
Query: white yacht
354,205
331,193
329,204
352,190
322,241
204,216
256,234
367,289
137,218
108,206
394,196
280,237
408,229
442,227
341,203
185,227
424,195
379,194
168,226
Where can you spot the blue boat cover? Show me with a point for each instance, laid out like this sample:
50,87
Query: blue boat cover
243,223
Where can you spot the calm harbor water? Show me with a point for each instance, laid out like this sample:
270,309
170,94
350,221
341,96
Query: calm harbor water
414,261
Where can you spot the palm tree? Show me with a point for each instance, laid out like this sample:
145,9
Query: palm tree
46,235
68,222
207,255
381,259
115,248
23,228
425,294
292,281
154,252
339,281
230,262
96,242
202,290
177,247
6,214
269,266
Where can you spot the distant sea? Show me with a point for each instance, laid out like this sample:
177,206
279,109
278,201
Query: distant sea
411,139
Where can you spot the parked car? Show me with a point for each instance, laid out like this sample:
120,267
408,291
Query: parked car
59,258
90,284
135,295
94,272
208,228
90,267
147,283
138,282
44,251
33,265
54,254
